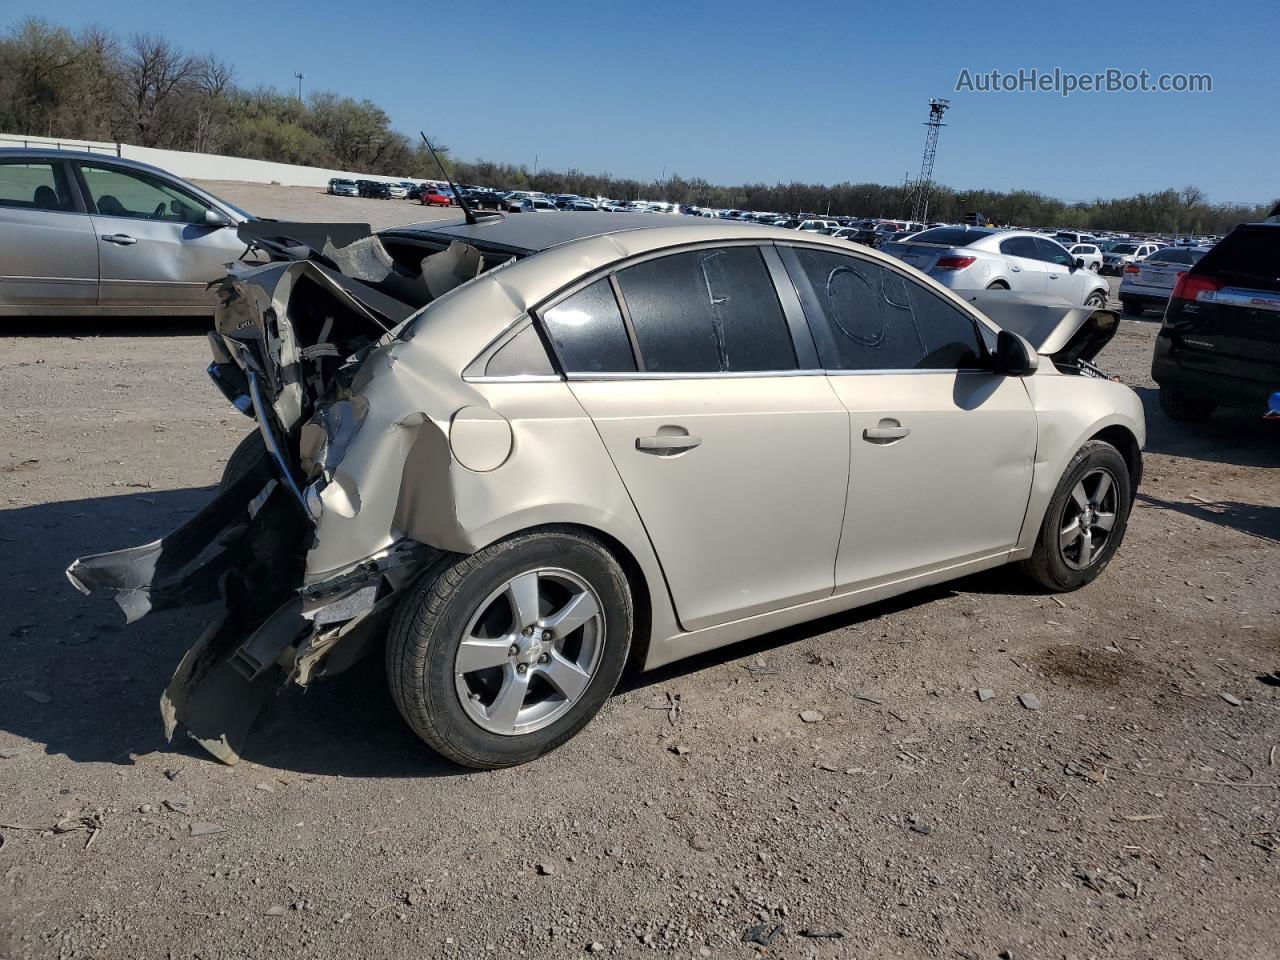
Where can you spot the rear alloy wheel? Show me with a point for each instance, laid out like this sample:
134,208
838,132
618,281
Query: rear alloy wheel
1095,267
1085,521
1178,406
499,657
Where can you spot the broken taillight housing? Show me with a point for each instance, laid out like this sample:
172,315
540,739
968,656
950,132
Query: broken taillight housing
953,263
1191,287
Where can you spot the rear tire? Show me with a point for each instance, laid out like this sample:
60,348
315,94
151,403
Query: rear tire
1097,300
453,699
248,452
1132,308
1061,561
1178,406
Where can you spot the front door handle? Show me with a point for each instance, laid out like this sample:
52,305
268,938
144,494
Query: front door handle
121,238
885,434
673,442
1015,269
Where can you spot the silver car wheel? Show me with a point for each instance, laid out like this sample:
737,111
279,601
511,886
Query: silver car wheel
529,651
1088,519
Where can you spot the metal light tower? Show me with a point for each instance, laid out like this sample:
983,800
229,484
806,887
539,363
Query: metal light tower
924,183
299,76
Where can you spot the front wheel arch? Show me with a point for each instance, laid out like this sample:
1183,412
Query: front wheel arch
1122,439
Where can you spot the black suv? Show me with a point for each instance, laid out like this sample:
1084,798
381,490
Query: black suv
374,188
1220,342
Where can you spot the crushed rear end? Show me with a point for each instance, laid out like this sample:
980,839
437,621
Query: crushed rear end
296,344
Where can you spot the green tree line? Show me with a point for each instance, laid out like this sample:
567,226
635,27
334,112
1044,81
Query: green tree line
142,89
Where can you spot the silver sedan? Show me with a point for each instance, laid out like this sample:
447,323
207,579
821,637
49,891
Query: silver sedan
977,258
85,233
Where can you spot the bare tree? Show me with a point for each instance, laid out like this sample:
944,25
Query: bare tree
154,71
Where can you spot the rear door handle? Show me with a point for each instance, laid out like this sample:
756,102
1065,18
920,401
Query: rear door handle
674,442
876,434
121,238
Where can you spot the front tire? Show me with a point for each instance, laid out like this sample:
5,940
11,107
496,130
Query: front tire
1085,521
497,658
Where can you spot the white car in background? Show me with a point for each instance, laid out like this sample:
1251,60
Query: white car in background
398,191
1148,284
1090,253
979,258
1123,254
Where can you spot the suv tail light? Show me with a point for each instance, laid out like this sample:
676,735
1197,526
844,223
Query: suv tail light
953,263
1133,268
1190,287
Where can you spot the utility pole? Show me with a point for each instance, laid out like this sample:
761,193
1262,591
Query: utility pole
924,183
298,76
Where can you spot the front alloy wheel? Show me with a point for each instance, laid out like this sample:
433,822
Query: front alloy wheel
1089,516
1085,521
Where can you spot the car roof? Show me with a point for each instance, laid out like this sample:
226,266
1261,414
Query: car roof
35,153
535,232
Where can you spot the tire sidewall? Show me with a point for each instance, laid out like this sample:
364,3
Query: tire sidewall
1091,456
435,684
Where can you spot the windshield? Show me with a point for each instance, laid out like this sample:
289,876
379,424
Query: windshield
1125,248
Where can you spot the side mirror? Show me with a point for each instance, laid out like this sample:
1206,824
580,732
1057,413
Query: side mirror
1014,356
216,218
1079,264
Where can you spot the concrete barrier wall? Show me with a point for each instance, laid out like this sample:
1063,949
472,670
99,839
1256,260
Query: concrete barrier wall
200,166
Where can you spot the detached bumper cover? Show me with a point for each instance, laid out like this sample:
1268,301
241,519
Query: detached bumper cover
246,550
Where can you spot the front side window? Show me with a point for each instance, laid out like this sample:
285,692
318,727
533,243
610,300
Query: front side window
1019,247
587,332
869,317
1051,252
707,311
130,193
34,186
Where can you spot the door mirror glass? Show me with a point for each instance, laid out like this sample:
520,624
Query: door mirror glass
1014,355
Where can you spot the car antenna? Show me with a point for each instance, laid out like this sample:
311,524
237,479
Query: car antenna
462,201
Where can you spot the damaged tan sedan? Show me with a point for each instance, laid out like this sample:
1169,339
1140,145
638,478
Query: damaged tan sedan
520,452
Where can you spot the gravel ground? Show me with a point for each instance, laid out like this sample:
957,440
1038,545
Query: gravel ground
1135,814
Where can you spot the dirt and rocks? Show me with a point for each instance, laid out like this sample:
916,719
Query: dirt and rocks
973,771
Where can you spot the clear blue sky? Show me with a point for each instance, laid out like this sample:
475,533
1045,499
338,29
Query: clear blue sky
744,91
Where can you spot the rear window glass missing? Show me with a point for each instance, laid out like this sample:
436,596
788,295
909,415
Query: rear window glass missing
950,236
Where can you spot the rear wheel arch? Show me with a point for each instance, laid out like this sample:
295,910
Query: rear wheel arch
637,581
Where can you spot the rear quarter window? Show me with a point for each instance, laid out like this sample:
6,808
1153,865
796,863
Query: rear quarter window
1248,256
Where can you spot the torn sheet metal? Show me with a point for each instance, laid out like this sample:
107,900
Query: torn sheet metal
1056,328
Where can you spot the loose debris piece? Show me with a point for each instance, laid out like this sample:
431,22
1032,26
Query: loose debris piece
678,750
200,829
8,753
671,705
759,668
1234,701
985,694
546,869
1029,700
810,716
1271,679
274,911
179,803
822,934
763,934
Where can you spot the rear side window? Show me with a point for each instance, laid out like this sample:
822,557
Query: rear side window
587,332
34,186
1248,256
868,317
707,311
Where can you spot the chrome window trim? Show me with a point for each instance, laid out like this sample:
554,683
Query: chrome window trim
677,375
